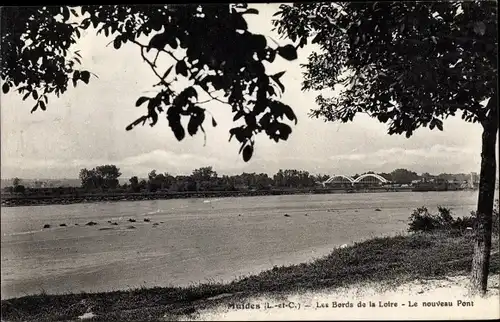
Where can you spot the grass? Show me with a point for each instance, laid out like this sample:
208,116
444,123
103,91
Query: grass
391,260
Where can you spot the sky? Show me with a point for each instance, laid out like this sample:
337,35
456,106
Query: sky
86,127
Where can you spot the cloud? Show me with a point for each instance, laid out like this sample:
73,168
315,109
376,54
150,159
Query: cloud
140,164
435,151
435,158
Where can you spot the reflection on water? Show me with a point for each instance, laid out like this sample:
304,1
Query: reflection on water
192,240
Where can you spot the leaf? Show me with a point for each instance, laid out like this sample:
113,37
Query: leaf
276,79
35,94
85,76
181,68
141,100
317,38
439,125
133,124
238,22
65,13
284,130
271,91
286,110
288,52
238,115
172,42
247,153
5,88
117,43
26,96
85,23
42,105
193,125
214,124
168,72
179,132
258,42
251,11
238,132
191,92
242,147
278,75
383,118
158,41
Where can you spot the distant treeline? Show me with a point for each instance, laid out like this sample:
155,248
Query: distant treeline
105,179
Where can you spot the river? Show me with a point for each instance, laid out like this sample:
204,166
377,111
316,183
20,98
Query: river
192,240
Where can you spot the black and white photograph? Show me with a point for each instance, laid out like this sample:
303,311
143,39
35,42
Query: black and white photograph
250,161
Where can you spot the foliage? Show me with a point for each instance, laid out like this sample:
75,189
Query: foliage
134,184
204,174
16,182
409,64
210,45
19,189
293,178
101,177
403,176
422,220
159,181
36,59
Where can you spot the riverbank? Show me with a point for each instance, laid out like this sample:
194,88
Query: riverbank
19,200
388,262
424,299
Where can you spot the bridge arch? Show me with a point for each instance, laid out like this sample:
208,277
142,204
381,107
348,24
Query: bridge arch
373,175
332,178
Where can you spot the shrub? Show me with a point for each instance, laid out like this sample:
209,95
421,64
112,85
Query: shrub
461,223
422,220
444,218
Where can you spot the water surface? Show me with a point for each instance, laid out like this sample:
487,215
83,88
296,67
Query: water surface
196,240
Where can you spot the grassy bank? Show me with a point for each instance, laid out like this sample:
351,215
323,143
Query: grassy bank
389,260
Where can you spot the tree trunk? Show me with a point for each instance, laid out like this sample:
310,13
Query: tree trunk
483,226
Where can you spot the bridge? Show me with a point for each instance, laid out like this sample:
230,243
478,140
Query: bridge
368,178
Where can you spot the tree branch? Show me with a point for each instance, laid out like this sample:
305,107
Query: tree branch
162,50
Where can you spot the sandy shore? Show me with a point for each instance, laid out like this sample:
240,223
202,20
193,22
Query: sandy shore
421,295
